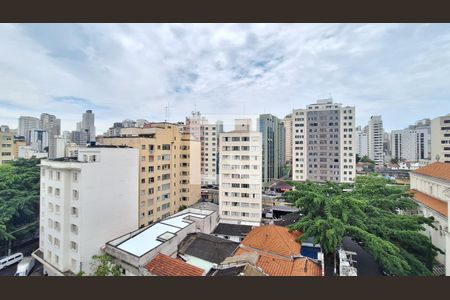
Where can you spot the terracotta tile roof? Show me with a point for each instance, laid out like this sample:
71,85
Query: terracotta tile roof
278,252
274,239
163,265
438,169
433,203
284,266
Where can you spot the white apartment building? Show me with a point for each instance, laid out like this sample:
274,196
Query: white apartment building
410,144
210,152
240,179
26,124
85,202
362,142
288,138
375,137
440,139
431,188
208,134
324,143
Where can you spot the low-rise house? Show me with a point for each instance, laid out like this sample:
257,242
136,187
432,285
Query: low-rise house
240,265
279,253
430,186
163,265
133,251
205,250
232,232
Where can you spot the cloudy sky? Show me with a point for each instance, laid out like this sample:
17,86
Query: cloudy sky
401,71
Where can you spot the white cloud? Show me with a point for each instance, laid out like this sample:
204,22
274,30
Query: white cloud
134,70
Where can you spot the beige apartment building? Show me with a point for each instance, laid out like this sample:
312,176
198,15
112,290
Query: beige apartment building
6,145
169,168
17,143
288,138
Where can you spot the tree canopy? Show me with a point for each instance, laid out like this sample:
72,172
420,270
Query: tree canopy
368,212
19,198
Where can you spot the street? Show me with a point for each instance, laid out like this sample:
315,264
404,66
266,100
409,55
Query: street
26,249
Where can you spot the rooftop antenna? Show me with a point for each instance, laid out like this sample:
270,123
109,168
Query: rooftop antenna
167,110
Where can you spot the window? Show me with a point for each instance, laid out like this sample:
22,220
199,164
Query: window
75,194
74,228
58,175
50,190
74,211
73,246
57,192
75,176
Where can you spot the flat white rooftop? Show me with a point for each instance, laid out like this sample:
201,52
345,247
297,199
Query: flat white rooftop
147,239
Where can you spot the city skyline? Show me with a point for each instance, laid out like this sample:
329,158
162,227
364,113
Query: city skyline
123,71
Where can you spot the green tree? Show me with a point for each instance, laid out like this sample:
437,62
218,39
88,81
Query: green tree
104,266
182,207
368,213
19,199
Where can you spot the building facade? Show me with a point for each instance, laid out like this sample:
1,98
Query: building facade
273,147
240,196
169,168
324,143
375,137
208,135
430,186
440,139
88,125
52,126
362,142
410,144
288,138
26,124
84,203
6,145
38,140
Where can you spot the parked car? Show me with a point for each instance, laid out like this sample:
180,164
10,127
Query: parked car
25,266
10,260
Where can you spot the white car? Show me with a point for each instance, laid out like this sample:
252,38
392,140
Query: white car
10,260
25,266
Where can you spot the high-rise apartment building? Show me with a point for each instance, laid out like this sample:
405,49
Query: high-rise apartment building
6,145
273,147
38,140
410,144
85,202
440,139
52,125
324,142
362,142
26,124
240,190
169,168
208,134
88,125
288,138
375,140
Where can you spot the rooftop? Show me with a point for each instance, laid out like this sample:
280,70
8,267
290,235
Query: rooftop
288,219
431,202
438,170
232,229
163,265
274,239
207,247
143,240
279,252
